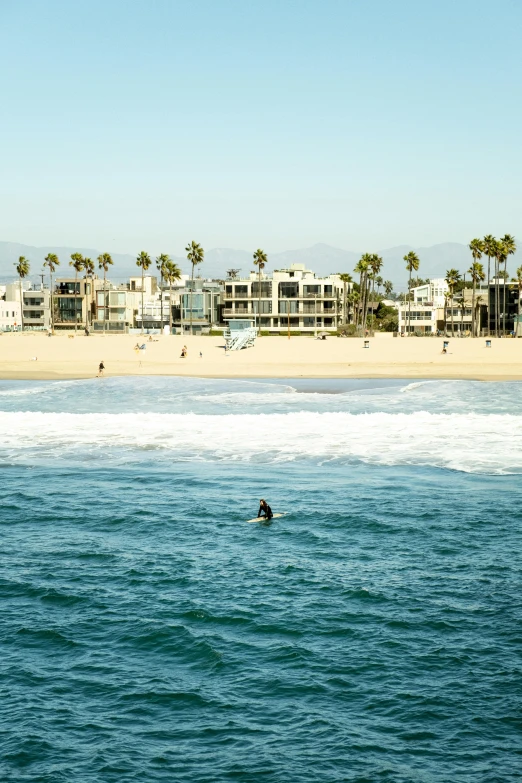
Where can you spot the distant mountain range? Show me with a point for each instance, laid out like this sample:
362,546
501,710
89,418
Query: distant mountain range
321,258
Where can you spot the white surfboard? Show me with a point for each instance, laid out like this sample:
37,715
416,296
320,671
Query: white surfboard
264,519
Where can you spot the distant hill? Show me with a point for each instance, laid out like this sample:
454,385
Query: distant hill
321,258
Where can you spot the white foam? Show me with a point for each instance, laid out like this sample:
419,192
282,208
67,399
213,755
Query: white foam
473,443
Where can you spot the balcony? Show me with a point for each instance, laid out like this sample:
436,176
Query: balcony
242,313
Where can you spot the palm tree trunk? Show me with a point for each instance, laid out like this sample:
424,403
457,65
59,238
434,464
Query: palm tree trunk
473,311
497,325
105,307
21,306
51,305
504,300
75,301
345,316
452,316
161,304
259,302
489,308
409,305
170,306
518,309
142,313
190,298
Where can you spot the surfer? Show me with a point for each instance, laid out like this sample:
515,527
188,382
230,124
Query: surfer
264,510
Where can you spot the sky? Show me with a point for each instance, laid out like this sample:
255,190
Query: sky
144,124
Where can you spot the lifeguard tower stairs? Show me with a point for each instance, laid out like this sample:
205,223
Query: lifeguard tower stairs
241,333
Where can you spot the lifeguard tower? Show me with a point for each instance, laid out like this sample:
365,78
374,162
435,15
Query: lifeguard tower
241,333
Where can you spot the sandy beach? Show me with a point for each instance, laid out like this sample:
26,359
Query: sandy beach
272,357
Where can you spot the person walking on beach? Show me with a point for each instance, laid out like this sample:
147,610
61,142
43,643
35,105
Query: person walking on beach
101,368
264,510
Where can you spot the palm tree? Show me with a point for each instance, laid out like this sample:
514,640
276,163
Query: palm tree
345,278
362,269
376,263
104,262
260,260
22,268
477,248
509,248
388,287
171,273
353,299
490,248
144,262
195,255
51,261
452,278
447,296
518,281
412,264
379,282
476,271
462,308
161,262
88,265
77,263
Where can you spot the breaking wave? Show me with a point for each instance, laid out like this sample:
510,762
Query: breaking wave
473,443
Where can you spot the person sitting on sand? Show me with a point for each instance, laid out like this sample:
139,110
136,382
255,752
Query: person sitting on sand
184,352
101,368
264,510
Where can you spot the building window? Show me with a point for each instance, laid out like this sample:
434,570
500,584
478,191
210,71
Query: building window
288,307
266,307
288,290
311,290
328,290
241,290
308,321
266,288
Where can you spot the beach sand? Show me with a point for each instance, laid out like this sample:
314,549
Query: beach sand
271,357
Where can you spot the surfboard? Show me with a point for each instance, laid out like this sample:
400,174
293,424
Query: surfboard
264,519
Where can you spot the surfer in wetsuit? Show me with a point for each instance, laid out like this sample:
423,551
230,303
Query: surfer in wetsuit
264,510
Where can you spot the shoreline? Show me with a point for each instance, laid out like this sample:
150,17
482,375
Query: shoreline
31,356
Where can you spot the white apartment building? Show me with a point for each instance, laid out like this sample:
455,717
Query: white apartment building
10,315
290,298
418,318
432,292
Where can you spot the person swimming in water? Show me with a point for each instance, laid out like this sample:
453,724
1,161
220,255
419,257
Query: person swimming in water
264,510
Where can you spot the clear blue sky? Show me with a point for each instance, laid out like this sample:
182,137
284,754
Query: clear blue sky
143,124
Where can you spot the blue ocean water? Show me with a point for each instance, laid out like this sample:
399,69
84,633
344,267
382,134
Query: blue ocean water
372,633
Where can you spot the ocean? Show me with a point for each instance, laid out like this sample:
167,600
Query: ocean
149,633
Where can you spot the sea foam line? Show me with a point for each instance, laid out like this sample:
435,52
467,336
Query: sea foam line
469,442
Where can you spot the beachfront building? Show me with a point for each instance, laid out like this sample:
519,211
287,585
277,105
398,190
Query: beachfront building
114,310
420,318
431,293
37,309
290,299
74,301
506,303
201,306
10,314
